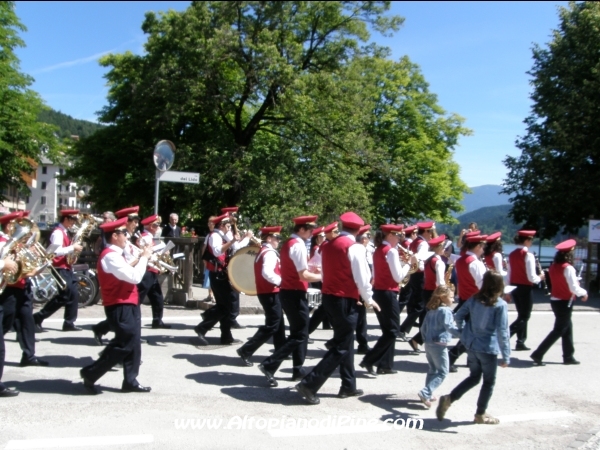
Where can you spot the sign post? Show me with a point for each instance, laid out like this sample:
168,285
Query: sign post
163,156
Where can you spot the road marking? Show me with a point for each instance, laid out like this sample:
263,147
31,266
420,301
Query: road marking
544,415
91,441
329,431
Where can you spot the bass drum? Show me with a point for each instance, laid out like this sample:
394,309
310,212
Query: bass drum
241,270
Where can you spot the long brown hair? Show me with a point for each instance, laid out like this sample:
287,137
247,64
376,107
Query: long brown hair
436,298
491,289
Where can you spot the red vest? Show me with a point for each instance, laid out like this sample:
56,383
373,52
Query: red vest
430,278
414,245
560,287
289,274
337,272
21,283
489,261
384,281
60,262
466,283
210,266
518,273
113,290
405,243
148,268
263,286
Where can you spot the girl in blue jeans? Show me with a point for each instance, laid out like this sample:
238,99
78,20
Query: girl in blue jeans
484,334
437,331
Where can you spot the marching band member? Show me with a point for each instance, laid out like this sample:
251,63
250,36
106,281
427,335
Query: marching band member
521,273
469,274
565,288
346,279
267,275
388,273
215,256
492,253
294,283
118,285
416,307
69,298
364,238
150,286
406,237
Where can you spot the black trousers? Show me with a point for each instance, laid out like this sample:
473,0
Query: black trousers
318,316
382,354
415,307
124,348
274,325
404,297
20,315
343,313
563,329
459,348
2,346
221,312
361,328
151,287
418,338
295,306
69,298
235,306
523,300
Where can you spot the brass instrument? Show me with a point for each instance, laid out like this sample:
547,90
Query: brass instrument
414,266
161,259
85,225
23,230
538,267
448,275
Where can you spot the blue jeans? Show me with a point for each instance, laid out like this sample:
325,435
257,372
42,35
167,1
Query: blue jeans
206,283
480,364
437,357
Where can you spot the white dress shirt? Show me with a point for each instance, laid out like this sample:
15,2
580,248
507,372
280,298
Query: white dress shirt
216,241
398,268
422,252
573,282
298,253
56,238
270,259
440,271
529,267
476,269
115,264
497,258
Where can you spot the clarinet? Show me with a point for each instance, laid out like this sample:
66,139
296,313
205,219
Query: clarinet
540,271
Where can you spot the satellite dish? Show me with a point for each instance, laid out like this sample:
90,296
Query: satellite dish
164,155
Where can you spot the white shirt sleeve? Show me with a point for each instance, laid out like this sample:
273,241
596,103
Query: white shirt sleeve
530,268
115,264
573,282
299,255
397,269
497,258
268,268
129,253
215,241
360,271
239,244
440,272
477,269
422,251
56,238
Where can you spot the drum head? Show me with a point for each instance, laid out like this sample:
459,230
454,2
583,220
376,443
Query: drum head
241,270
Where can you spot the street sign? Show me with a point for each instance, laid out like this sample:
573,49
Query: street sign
180,177
594,231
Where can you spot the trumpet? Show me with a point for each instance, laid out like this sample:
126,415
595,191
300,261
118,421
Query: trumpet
160,259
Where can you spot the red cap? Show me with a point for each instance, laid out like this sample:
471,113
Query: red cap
68,212
390,227
364,229
566,246
109,227
409,230
305,220
477,238
221,218
318,230
132,210
150,219
351,220
329,228
11,216
230,209
270,231
425,225
472,233
527,233
437,241
494,236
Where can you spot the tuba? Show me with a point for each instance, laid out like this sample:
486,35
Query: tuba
85,225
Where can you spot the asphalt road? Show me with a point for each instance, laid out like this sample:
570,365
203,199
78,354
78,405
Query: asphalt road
205,398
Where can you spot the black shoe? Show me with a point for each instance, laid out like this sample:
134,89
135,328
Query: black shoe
9,392
245,358
97,337
329,345
363,350
297,375
202,315
345,393
308,396
236,326
160,324
71,328
402,336
203,340
369,368
453,368
39,328
414,345
230,341
571,362
382,371
139,388
537,361
33,362
327,327
270,377
89,386
521,348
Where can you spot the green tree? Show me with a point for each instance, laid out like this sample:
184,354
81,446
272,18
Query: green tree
21,135
553,183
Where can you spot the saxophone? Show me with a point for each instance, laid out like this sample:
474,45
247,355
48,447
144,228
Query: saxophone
414,266
86,224
448,275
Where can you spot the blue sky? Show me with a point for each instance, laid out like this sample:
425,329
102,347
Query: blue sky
474,55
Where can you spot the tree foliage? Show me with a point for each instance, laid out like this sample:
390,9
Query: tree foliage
553,183
282,108
67,125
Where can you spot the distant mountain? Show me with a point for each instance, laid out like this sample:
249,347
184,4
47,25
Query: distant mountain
68,126
483,196
488,219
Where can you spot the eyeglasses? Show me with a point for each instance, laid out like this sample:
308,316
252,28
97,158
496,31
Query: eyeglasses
120,231
155,225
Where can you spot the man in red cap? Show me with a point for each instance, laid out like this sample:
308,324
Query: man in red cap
407,235
215,257
267,275
346,280
521,273
294,283
69,298
364,238
118,285
150,286
565,289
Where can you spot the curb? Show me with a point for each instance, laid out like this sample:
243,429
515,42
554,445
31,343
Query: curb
590,439
198,304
